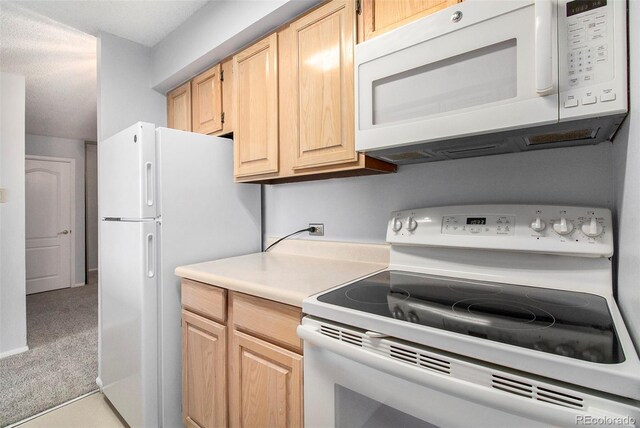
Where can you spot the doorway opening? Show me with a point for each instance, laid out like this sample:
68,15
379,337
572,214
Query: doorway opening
61,362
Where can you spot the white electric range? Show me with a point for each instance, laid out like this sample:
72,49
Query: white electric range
494,315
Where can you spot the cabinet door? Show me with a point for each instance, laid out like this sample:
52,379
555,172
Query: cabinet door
179,108
380,16
207,101
322,58
204,389
265,384
228,111
256,103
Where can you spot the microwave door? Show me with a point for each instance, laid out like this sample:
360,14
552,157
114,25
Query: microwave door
127,179
471,69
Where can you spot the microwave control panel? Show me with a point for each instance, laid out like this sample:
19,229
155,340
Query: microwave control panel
592,57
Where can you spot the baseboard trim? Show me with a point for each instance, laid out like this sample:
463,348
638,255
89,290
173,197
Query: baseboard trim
44,412
13,352
78,285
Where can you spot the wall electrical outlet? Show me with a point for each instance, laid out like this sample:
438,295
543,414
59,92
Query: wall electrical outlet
319,229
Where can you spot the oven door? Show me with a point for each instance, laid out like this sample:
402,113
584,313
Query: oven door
348,384
474,68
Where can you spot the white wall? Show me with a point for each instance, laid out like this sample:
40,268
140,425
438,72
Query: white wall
626,154
124,86
214,32
39,145
13,315
357,209
91,181
125,97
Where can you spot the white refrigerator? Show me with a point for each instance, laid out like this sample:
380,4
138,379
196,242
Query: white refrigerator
166,198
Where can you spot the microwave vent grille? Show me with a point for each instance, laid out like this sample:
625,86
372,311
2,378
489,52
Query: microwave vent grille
561,137
407,157
472,151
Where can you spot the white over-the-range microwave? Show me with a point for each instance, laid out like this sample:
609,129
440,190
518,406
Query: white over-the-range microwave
493,76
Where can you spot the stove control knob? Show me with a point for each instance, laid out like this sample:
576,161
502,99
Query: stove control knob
563,226
592,228
564,350
412,224
538,225
396,225
398,313
592,355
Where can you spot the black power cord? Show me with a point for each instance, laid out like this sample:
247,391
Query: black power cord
308,229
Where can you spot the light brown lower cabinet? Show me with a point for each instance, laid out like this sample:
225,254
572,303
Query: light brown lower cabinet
265,384
204,394
241,360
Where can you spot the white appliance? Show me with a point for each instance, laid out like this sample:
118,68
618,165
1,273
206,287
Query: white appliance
166,198
494,315
489,76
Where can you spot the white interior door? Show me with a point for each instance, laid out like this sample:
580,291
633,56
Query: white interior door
49,197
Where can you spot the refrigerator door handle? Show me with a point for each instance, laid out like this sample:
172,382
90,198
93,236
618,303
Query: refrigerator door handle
149,183
151,256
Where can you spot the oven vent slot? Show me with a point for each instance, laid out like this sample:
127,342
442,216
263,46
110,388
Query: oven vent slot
419,359
512,386
536,392
559,398
341,335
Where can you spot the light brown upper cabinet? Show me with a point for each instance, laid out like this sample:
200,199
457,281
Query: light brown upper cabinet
228,110
179,108
206,96
205,104
380,16
315,114
323,45
255,72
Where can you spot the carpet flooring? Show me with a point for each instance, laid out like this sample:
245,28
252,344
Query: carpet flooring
62,360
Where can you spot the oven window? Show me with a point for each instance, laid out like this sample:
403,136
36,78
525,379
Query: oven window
355,410
471,79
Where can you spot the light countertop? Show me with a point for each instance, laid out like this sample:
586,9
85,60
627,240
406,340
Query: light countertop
289,278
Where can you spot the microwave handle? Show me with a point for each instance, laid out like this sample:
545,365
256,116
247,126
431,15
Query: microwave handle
543,46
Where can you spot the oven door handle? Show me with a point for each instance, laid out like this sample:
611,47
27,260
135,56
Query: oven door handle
543,46
486,396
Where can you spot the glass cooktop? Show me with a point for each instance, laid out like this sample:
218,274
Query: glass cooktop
570,324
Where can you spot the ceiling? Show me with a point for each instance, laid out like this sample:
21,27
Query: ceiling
52,44
145,22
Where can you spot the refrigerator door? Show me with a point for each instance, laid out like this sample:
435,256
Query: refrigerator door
205,216
128,298
127,173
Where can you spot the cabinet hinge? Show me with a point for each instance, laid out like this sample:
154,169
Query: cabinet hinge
358,7
222,76
222,117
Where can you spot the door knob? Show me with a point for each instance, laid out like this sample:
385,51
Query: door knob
64,232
